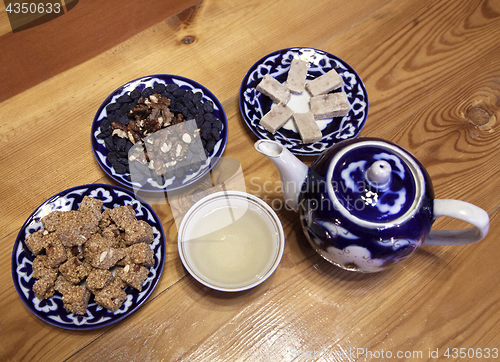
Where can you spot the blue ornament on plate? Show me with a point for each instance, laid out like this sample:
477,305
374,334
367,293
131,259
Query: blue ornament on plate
52,310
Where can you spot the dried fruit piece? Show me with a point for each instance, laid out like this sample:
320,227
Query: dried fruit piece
155,108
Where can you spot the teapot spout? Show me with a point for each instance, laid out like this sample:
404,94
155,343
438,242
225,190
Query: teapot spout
292,171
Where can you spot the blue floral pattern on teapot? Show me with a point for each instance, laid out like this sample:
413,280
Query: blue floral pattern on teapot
366,204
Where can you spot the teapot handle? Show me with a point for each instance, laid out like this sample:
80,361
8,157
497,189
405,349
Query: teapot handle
463,211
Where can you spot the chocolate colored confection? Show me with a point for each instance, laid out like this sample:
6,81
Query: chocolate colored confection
71,229
76,299
74,270
105,219
34,242
75,251
141,254
92,206
41,267
123,216
46,275
44,288
95,244
62,285
54,249
111,231
138,232
119,278
110,297
107,257
51,221
134,275
98,279
126,259
90,222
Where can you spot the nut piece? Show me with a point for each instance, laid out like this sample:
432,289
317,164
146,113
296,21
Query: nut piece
167,146
103,256
120,133
107,258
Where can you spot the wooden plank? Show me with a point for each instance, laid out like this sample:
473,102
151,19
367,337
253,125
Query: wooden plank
410,62
4,20
46,50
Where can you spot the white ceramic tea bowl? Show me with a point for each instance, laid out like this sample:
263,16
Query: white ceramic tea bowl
231,241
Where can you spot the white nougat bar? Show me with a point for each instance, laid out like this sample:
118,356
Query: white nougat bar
325,83
270,87
297,74
330,105
276,117
308,128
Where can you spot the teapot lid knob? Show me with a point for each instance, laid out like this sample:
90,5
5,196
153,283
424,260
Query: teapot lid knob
375,183
379,173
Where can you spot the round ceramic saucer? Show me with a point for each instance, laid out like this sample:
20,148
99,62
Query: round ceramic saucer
52,310
254,105
153,184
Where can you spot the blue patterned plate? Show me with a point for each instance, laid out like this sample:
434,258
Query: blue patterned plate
52,310
254,105
151,184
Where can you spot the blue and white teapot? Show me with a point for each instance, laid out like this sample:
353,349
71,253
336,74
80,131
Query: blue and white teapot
366,204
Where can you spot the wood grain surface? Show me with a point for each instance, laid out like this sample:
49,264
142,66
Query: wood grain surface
432,72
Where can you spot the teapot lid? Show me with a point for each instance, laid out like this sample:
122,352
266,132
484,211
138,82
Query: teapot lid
375,183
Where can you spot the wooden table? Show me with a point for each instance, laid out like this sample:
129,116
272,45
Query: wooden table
432,72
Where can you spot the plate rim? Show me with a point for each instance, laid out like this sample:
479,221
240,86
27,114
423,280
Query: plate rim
151,188
284,50
108,322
